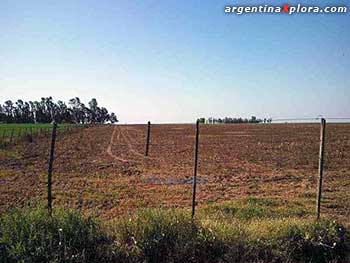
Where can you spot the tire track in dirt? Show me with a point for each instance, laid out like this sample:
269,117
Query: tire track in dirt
134,129
127,138
111,143
123,134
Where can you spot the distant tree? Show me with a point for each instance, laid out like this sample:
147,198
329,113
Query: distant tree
201,120
211,120
8,110
62,114
2,114
76,110
49,109
94,110
46,110
113,118
18,111
39,111
253,120
103,115
27,115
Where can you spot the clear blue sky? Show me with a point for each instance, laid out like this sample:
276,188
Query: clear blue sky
174,61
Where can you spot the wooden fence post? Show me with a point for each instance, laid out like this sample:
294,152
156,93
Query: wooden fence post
195,170
148,137
49,176
320,167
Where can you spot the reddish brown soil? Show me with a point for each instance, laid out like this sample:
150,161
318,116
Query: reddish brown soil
102,170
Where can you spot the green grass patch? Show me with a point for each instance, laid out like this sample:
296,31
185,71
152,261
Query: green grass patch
34,236
253,208
20,130
244,231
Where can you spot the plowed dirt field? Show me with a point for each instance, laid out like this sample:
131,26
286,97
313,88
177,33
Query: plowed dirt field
102,170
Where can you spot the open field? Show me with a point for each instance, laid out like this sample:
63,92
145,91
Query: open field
12,132
20,130
256,195
102,171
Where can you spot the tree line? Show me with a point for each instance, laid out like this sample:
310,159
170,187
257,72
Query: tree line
46,111
253,119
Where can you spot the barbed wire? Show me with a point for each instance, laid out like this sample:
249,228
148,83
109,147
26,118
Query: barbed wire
309,119
294,119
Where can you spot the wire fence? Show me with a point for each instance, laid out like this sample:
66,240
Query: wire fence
11,134
103,169
311,119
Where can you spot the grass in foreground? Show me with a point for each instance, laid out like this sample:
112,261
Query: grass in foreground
244,231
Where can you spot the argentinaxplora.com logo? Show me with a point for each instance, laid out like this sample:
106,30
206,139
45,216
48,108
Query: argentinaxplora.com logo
286,9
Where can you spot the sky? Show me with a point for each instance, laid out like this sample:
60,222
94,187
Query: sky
175,60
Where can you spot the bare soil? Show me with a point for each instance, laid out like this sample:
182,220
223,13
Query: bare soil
102,170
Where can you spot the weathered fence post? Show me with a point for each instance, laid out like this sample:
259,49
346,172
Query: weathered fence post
148,137
320,167
49,176
195,170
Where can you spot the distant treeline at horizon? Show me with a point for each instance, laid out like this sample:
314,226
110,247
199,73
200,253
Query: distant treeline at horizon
253,119
47,111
